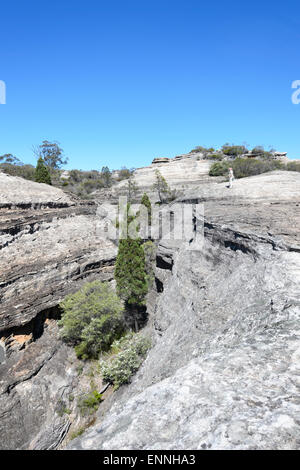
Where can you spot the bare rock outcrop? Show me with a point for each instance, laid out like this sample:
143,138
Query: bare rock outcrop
49,243
18,192
224,369
181,173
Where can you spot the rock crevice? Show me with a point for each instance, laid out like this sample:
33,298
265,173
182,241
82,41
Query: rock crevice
223,372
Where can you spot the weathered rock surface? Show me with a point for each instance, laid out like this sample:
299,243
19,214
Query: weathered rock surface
224,368
33,383
224,371
39,391
50,243
181,173
15,191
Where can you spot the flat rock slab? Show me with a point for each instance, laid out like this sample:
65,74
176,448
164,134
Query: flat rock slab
18,191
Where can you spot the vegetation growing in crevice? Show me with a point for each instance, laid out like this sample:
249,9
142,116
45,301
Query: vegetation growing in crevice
81,429
130,271
125,359
91,319
89,402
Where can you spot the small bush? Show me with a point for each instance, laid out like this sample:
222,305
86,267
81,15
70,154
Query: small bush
293,166
90,185
92,319
202,149
243,167
89,403
124,173
24,171
234,150
259,151
219,169
79,431
129,353
214,156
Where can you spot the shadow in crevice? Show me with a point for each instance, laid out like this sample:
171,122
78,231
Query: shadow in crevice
136,317
159,285
34,327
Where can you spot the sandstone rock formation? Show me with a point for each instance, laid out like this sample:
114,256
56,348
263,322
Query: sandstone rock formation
50,244
224,369
181,173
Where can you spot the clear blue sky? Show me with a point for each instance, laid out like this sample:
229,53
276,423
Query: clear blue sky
121,82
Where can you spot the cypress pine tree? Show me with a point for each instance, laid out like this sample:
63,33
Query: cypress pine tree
42,174
131,277
130,272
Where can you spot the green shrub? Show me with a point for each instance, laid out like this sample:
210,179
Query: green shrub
243,167
219,169
202,149
77,433
124,173
293,166
90,185
91,319
259,151
214,156
89,403
267,154
129,353
233,150
24,171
